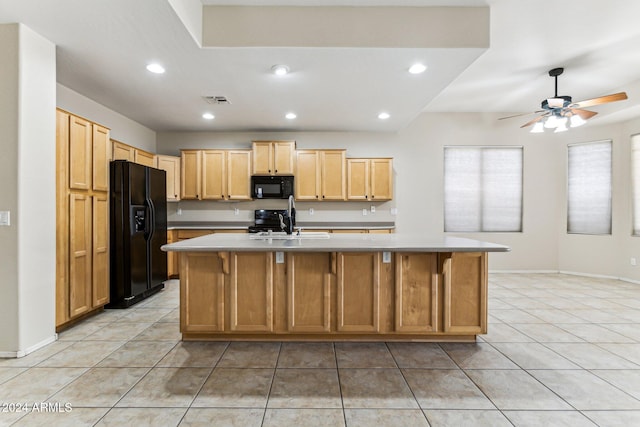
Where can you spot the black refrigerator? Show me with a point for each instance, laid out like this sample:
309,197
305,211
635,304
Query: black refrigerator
138,223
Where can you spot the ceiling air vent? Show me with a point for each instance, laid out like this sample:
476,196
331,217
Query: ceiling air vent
216,100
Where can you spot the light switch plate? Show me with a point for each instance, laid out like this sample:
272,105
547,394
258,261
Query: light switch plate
279,257
5,218
373,209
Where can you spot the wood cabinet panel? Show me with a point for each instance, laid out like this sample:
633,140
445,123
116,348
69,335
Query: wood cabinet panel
358,288
62,217
144,158
100,265
307,179
358,179
122,151
202,302
308,292
465,292
273,157
171,165
238,167
333,174
101,157
79,254
416,292
381,179
213,175
251,291
262,158
80,132
190,179
370,179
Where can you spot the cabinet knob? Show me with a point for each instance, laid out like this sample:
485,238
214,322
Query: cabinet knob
276,170
316,196
373,197
366,196
269,170
323,196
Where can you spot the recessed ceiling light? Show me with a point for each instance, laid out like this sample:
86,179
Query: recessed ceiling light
208,116
291,116
280,70
417,68
383,116
155,68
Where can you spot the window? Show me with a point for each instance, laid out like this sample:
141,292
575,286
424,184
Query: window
635,179
482,189
589,188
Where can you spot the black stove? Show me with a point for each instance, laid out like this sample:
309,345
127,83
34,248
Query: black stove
267,219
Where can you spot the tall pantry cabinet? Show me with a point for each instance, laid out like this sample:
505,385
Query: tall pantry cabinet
83,152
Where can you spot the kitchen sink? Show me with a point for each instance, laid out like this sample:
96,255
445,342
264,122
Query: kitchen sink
284,236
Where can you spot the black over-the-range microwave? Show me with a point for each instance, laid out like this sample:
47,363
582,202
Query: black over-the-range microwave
271,187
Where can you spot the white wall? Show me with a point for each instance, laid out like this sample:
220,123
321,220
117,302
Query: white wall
28,129
122,128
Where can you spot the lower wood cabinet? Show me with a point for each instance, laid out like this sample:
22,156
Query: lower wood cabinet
358,291
416,292
333,295
309,292
465,292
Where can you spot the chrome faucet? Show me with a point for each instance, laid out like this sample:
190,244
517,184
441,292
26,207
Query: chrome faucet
291,210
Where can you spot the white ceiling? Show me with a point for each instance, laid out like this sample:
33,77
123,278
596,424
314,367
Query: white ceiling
103,46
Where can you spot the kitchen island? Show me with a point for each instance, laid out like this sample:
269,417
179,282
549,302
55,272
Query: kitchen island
319,286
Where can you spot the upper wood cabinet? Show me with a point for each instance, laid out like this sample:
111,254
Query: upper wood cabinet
101,157
273,157
370,179
320,175
216,174
171,165
122,151
79,145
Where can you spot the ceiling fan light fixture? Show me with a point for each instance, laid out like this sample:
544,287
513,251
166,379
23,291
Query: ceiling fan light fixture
551,122
576,121
562,125
538,128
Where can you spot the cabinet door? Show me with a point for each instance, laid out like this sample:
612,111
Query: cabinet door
251,291
238,175
416,292
101,157
307,178
308,292
381,179
145,158
100,227
122,151
465,293
358,179
333,174
358,288
80,131
262,158
213,174
172,257
284,154
171,165
190,174
79,254
202,291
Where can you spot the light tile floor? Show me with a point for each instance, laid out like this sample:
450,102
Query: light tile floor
561,351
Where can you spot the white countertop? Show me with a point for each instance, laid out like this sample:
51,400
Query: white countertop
243,242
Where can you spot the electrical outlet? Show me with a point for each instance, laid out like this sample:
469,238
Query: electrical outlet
373,209
633,261
5,218
236,211
279,257
364,212
311,211
394,211
386,257
179,212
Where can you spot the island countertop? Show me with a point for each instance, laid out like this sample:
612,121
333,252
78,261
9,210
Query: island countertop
398,242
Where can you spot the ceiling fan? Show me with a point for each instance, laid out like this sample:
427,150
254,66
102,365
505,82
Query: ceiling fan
559,111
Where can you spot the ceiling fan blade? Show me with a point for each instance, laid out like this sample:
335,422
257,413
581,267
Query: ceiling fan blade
530,122
584,114
521,114
601,100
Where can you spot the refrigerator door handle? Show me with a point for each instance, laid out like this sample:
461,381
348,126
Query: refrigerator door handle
151,220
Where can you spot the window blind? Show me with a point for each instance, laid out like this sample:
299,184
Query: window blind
635,182
589,188
482,189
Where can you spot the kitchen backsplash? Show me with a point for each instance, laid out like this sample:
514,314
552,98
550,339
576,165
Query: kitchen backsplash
203,211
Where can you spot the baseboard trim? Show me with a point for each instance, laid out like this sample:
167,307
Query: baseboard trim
571,273
21,353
